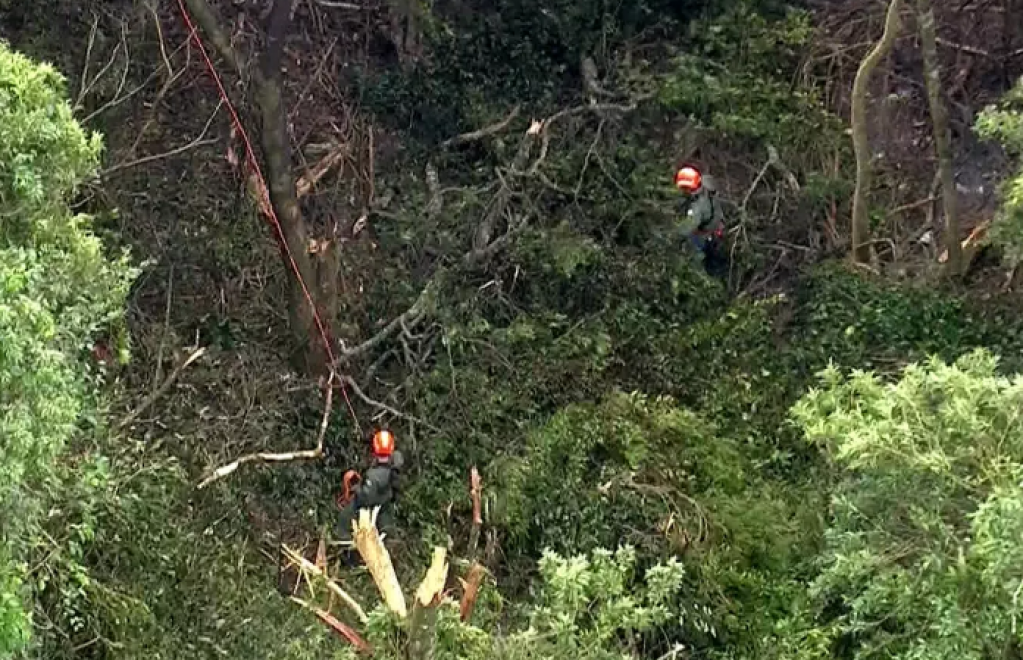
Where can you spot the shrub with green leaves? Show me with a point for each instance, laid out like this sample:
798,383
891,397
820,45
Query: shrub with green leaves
923,555
588,606
1004,122
733,77
57,289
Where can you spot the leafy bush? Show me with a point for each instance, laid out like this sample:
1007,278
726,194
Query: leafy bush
596,474
1004,122
56,290
733,77
922,549
590,606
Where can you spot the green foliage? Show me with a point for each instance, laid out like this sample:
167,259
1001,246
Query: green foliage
1004,122
864,322
922,550
596,474
733,78
56,290
590,606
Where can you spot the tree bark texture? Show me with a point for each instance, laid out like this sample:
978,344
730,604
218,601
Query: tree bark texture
267,95
942,133
861,139
283,194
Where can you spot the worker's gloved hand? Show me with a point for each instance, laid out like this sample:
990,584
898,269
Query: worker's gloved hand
397,460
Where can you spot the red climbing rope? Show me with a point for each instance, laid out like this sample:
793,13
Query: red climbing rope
250,157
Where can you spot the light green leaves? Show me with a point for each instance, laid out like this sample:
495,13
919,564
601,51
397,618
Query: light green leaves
1004,122
923,546
57,289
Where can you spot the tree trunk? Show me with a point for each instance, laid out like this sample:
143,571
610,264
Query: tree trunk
861,139
293,241
942,134
284,198
422,642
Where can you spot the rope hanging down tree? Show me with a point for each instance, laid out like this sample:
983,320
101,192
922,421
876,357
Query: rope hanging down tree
267,206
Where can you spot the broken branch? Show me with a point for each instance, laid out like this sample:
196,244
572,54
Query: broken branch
307,566
378,561
471,591
475,493
346,632
423,626
471,585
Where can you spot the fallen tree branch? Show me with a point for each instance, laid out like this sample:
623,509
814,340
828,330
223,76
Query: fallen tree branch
543,126
283,457
305,183
474,257
345,631
306,565
334,4
160,391
472,136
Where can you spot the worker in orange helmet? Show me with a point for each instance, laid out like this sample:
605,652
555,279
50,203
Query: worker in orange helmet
702,219
378,487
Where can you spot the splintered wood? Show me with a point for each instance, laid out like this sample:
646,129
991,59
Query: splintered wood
423,626
333,587
432,587
378,561
345,631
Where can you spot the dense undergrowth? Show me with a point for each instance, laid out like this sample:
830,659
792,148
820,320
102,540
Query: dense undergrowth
610,392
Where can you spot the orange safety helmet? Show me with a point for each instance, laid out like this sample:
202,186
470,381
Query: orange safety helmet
383,443
688,179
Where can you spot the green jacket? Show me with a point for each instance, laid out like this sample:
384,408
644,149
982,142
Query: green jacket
701,212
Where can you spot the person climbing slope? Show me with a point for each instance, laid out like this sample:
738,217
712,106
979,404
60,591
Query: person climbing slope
377,488
702,218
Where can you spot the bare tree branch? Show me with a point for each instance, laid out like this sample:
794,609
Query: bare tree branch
473,136
284,457
160,391
87,87
309,567
409,317
197,142
383,406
